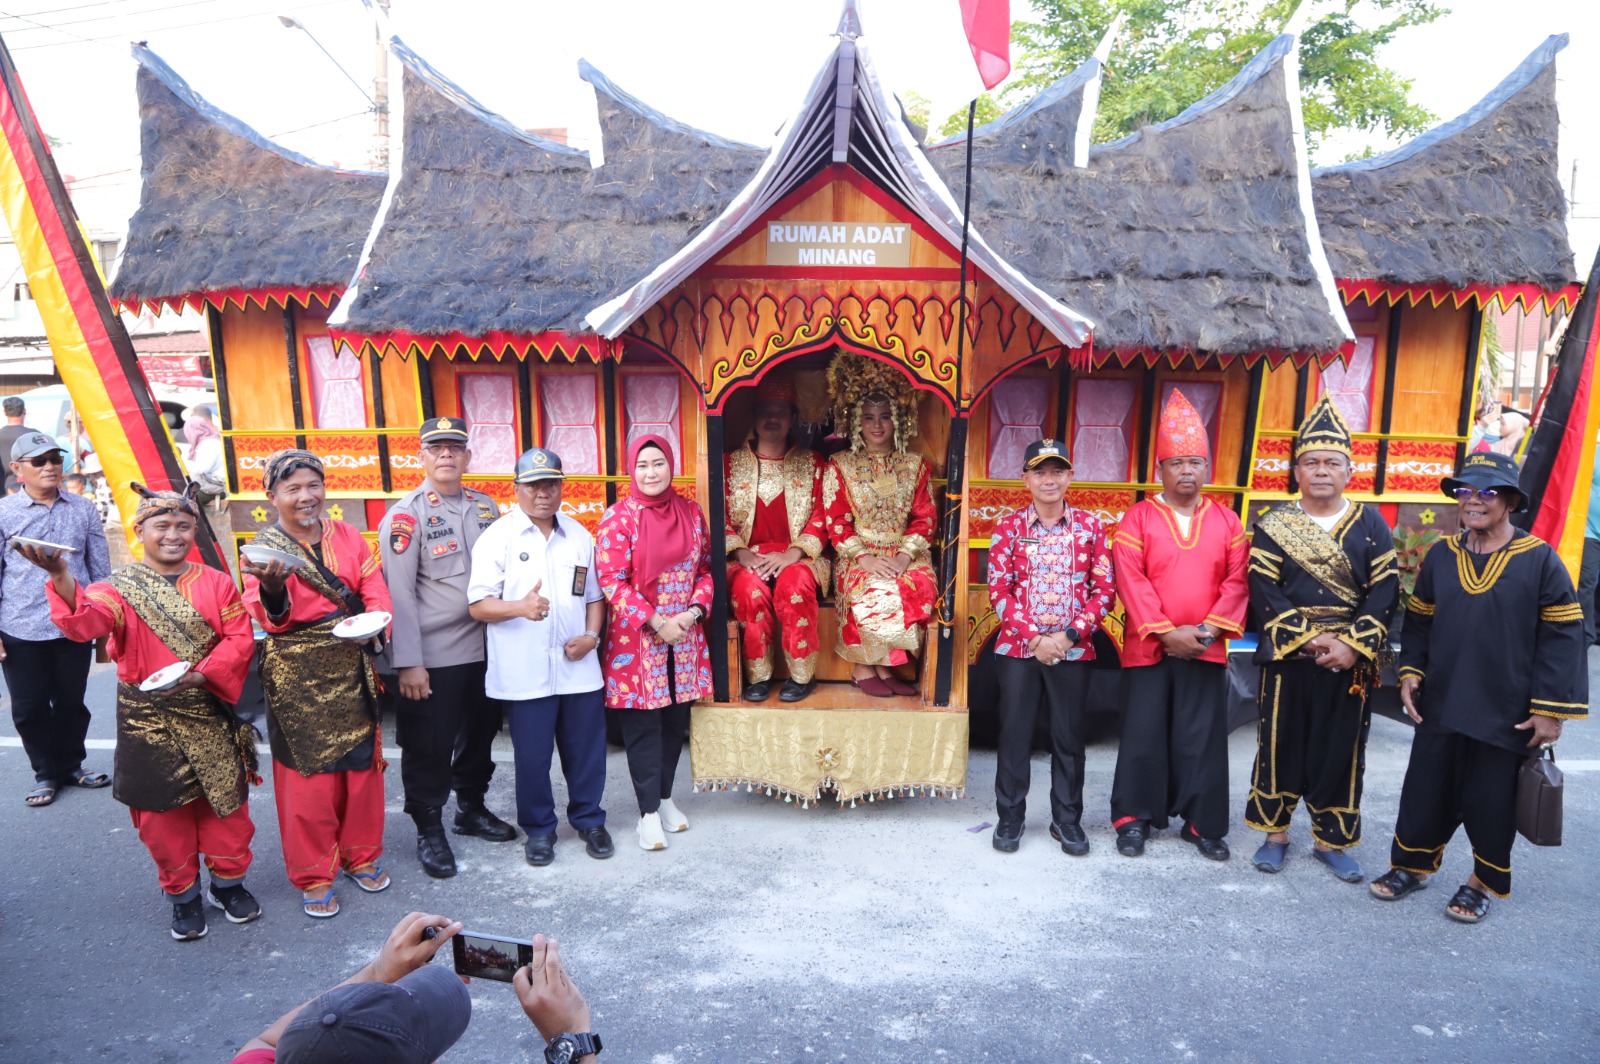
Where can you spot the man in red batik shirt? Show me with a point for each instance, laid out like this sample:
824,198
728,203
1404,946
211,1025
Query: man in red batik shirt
1050,582
775,534
1182,573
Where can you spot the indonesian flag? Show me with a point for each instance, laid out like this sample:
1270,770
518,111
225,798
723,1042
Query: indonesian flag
964,51
92,351
987,24
1559,467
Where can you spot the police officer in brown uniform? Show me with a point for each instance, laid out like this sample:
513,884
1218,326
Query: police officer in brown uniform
445,723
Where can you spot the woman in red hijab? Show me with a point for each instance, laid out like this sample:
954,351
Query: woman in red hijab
654,566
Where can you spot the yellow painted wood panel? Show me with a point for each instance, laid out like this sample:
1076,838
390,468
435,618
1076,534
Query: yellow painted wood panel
402,405
1430,369
257,368
1277,399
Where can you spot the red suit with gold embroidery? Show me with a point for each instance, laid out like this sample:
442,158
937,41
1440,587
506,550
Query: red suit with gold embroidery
879,504
775,504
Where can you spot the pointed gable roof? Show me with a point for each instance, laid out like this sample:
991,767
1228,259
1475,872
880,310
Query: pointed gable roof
224,213
1194,234
1474,201
846,117
491,236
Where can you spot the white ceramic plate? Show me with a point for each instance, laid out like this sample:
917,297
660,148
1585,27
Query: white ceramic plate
161,679
24,541
266,555
362,626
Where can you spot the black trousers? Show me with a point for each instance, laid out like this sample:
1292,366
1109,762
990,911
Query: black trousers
1453,781
1173,758
1028,686
47,679
653,739
1311,744
446,738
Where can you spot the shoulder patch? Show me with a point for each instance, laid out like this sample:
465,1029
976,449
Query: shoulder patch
433,497
402,527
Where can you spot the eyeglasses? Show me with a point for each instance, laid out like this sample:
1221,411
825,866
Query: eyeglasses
39,461
1464,493
440,450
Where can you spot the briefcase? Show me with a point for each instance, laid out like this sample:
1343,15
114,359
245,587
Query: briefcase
1539,785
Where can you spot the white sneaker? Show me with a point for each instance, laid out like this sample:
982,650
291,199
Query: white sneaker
671,818
650,837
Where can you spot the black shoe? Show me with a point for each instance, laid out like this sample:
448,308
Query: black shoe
794,692
1130,838
433,851
540,849
1210,849
597,842
474,819
189,919
1007,837
1072,839
757,692
238,904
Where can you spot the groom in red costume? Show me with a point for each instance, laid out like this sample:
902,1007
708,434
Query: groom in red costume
1182,566
775,532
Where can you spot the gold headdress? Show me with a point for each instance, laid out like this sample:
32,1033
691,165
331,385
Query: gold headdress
853,377
1323,430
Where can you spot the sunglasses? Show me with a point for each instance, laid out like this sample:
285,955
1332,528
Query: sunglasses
39,461
1483,494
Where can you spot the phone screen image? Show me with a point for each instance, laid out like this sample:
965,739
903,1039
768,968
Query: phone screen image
490,956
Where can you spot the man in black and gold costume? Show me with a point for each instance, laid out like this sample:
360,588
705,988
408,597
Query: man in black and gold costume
1323,587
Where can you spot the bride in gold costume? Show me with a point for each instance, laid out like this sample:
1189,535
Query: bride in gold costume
880,519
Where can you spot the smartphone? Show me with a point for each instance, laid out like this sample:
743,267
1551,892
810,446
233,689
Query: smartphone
490,956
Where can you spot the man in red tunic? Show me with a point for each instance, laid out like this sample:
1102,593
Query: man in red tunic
775,534
184,761
322,709
1182,566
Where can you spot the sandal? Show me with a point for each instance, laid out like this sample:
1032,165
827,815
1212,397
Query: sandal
90,780
327,899
1396,884
41,795
361,879
1475,901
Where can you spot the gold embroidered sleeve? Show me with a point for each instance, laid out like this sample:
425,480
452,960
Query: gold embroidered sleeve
1561,614
809,545
1415,605
1366,636
851,549
1288,632
1412,671
735,542
1559,710
109,601
1266,563
915,546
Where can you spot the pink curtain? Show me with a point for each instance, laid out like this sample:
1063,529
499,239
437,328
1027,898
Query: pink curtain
1017,409
650,407
1101,413
1350,387
571,426
1204,396
337,398
489,403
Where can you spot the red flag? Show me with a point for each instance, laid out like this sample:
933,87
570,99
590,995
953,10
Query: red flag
988,27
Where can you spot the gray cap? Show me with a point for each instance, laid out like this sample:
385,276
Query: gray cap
31,445
414,1020
537,463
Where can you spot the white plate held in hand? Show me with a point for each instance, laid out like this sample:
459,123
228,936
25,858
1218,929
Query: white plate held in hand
50,549
362,626
161,679
267,555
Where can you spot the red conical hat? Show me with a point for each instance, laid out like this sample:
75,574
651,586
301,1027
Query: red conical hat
1181,432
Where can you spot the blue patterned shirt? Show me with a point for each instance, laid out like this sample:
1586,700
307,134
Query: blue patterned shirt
72,521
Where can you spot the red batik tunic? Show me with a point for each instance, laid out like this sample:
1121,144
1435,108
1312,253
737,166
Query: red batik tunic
635,659
345,554
1167,579
139,653
1045,579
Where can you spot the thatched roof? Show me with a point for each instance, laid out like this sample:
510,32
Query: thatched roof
1195,234
1475,201
846,118
488,230
223,211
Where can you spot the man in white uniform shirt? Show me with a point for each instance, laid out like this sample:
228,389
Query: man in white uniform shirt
533,583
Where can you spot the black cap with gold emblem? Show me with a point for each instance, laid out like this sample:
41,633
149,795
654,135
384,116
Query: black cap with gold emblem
537,463
442,429
1323,430
1043,451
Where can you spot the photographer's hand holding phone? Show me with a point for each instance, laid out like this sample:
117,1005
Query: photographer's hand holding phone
550,998
409,947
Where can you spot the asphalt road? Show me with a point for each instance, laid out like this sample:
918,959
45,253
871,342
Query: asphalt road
888,932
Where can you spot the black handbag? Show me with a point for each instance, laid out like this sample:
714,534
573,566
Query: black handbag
1539,784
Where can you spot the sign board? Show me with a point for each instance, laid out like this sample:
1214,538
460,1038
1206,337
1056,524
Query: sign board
838,244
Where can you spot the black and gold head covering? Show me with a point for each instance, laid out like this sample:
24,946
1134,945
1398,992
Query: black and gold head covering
282,463
156,503
1323,430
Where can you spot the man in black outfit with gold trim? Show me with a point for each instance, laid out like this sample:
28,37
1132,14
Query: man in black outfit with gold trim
1323,587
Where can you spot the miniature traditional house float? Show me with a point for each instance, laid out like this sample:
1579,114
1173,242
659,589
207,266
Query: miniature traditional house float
506,280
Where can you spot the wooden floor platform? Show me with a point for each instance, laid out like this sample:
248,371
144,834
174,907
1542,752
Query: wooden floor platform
836,695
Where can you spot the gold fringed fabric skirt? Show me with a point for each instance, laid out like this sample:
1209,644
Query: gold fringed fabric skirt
173,749
321,692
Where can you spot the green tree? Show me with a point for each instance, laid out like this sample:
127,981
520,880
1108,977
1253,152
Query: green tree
1170,53
989,109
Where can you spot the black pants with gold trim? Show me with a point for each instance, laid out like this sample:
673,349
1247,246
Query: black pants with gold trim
1173,757
1311,745
1454,781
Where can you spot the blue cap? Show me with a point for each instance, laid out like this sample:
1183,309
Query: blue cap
537,463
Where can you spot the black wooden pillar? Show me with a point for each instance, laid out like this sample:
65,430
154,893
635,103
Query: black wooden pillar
379,422
219,373
525,401
717,518
950,547
1147,418
608,414
425,386
291,351
1247,449
1391,361
1469,386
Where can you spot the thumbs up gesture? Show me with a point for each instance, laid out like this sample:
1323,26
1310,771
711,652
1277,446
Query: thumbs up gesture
535,606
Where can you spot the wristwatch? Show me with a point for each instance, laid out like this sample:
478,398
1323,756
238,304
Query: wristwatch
1072,634
592,635
565,1048
698,610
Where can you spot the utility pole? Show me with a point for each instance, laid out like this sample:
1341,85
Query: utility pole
380,93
